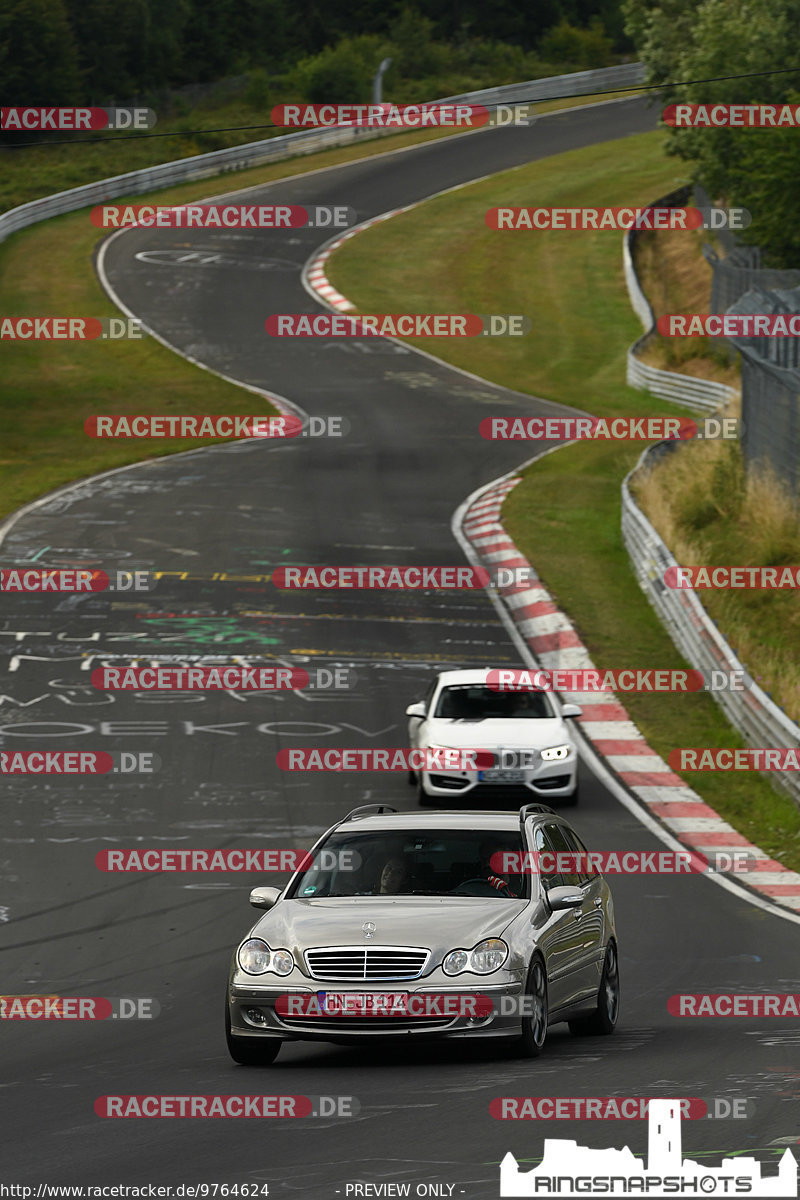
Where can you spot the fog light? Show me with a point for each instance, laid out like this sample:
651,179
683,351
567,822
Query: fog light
256,1016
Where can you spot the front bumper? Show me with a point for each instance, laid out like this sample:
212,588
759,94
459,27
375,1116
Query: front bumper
554,779
253,1012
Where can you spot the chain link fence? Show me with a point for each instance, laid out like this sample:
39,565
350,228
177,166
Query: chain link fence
770,429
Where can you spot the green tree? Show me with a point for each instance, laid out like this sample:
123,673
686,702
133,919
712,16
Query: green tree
586,49
749,167
38,55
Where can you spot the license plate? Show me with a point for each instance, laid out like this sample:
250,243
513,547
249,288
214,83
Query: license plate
361,1004
499,776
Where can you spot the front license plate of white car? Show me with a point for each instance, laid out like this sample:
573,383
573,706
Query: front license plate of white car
361,1004
499,776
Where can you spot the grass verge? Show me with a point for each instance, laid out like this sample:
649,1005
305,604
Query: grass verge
565,516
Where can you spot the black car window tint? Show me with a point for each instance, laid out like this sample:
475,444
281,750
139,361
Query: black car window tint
586,871
542,845
561,846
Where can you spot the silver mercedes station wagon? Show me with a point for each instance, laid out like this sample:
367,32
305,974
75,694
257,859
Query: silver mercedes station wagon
436,924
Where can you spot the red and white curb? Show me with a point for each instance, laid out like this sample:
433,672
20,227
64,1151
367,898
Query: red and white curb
314,273
553,642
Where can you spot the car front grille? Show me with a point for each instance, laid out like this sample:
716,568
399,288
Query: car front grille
360,964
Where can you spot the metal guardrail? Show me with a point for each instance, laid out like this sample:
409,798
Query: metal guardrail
701,395
254,154
757,717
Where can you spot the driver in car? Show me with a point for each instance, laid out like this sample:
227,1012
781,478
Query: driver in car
394,876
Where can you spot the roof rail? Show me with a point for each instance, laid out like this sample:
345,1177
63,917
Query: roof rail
528,810
365,808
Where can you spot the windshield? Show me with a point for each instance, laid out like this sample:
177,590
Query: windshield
438,862
476,702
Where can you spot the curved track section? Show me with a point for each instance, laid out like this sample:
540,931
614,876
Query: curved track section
213,524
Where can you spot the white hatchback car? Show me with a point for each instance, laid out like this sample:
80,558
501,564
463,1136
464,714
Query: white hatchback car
526,732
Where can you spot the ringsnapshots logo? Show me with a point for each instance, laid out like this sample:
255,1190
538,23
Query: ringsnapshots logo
436,325
568,1169
87,120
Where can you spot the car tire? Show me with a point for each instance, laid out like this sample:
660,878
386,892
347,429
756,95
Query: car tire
250,1052
412,777
603,1020
534,1027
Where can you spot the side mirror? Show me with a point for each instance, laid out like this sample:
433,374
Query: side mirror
265,897
416,710
564,897
571,710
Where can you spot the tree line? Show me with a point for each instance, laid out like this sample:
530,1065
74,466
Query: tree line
103,52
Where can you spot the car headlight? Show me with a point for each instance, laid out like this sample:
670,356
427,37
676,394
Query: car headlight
256,958
486,957
556,752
